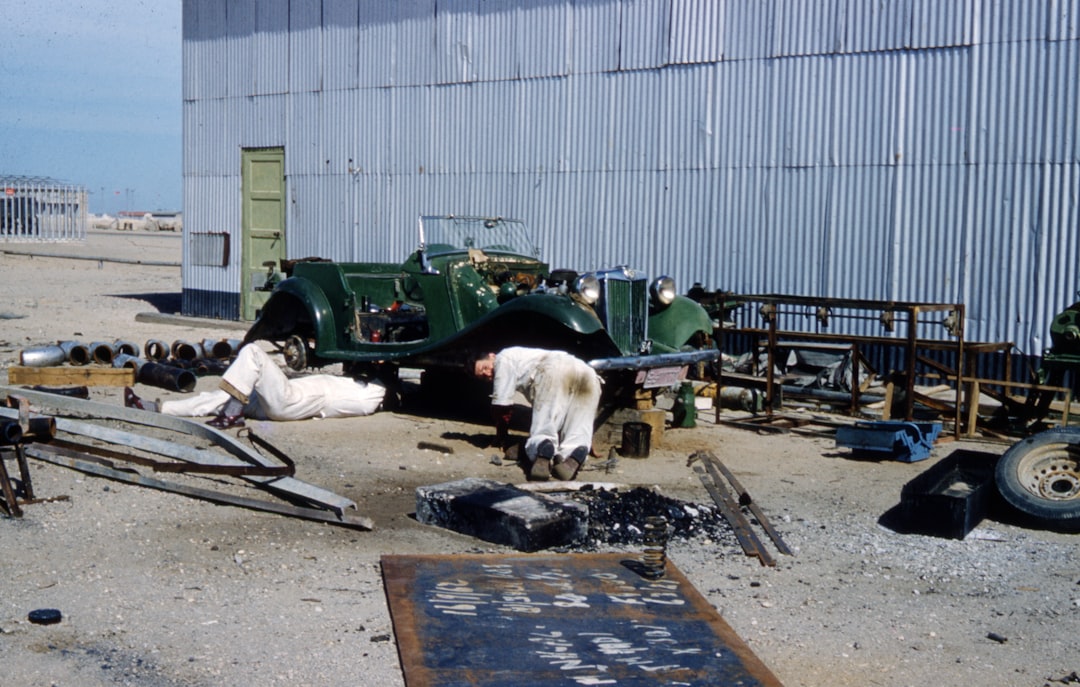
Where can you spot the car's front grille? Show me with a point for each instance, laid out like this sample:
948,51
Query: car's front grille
624,308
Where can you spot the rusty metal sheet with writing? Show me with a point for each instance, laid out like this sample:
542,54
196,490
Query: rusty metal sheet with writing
569,619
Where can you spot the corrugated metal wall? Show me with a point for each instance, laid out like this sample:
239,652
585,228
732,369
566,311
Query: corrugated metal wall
898,149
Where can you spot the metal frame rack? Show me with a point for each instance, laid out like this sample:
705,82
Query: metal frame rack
899,319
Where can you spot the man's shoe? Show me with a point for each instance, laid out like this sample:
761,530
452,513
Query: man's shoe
540,471
131,400
224,421
567,469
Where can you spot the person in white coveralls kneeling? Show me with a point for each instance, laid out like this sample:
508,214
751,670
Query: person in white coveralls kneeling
565,394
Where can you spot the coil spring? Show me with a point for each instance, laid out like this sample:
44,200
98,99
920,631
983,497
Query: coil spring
654,559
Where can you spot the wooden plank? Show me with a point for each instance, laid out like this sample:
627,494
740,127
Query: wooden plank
83,376
973,409
890,390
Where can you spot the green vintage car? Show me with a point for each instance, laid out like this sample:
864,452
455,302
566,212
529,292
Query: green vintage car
475,284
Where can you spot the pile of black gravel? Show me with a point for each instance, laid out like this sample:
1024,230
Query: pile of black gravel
618,517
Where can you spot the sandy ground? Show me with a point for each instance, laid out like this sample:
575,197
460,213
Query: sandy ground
159,589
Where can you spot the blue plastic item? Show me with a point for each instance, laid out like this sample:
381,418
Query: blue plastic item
904,441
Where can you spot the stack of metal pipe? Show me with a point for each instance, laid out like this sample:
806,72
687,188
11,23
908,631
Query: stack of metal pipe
174,367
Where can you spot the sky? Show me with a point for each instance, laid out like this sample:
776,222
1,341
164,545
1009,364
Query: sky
90,94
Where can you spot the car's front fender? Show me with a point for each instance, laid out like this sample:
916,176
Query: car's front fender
676,325
297,306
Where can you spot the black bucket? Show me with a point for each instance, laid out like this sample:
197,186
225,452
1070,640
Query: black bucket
635,439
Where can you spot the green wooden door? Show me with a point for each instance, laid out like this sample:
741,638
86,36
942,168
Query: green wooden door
263,220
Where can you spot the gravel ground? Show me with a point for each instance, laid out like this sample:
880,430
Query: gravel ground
158,589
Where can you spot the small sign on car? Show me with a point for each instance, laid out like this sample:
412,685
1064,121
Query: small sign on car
657,377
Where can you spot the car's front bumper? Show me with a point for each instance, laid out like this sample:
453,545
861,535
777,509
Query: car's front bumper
646,362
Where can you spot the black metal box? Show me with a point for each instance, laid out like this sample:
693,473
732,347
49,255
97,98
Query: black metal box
951,497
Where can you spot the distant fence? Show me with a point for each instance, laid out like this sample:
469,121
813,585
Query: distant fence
42,212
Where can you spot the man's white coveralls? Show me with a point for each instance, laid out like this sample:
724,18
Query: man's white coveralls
563,390
267,394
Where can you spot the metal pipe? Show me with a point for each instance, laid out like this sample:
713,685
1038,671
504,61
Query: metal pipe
72,391
234,346
41,428
216,349
126,348
129,361
166,377
828,395
76,353
102,352
156,350
202,366
42,356
10,433
186,350
742,398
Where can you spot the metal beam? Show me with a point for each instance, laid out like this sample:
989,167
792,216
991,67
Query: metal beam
231,451
83,463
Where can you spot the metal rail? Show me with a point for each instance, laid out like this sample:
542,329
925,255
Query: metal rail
228,456
712,474
772,308
89,464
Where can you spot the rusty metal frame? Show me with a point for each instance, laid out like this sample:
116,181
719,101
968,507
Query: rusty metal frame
94,465
9,503
79,445
773,308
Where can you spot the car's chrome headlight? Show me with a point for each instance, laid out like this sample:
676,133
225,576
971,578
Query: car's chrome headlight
587,286
663,291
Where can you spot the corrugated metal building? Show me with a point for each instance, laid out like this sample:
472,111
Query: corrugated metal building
912,150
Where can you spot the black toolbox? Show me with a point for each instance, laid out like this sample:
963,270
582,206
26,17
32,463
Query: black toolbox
951,497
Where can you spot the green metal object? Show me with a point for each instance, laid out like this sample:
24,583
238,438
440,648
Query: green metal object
1065,337
684,412
1059,362
672,327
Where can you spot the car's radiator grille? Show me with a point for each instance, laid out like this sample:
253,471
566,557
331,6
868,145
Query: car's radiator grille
625,312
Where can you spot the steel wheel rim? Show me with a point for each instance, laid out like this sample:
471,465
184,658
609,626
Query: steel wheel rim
295,353
1051,472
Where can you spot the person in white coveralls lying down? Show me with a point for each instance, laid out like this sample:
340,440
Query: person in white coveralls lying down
565,394
254,386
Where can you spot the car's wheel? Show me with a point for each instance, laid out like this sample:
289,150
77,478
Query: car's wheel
1040,476
296,353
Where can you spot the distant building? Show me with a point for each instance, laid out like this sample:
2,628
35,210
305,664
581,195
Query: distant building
41,209
888,150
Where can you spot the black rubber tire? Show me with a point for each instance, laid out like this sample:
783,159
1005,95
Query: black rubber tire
1040,477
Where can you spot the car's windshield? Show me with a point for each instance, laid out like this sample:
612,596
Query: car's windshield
439,235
